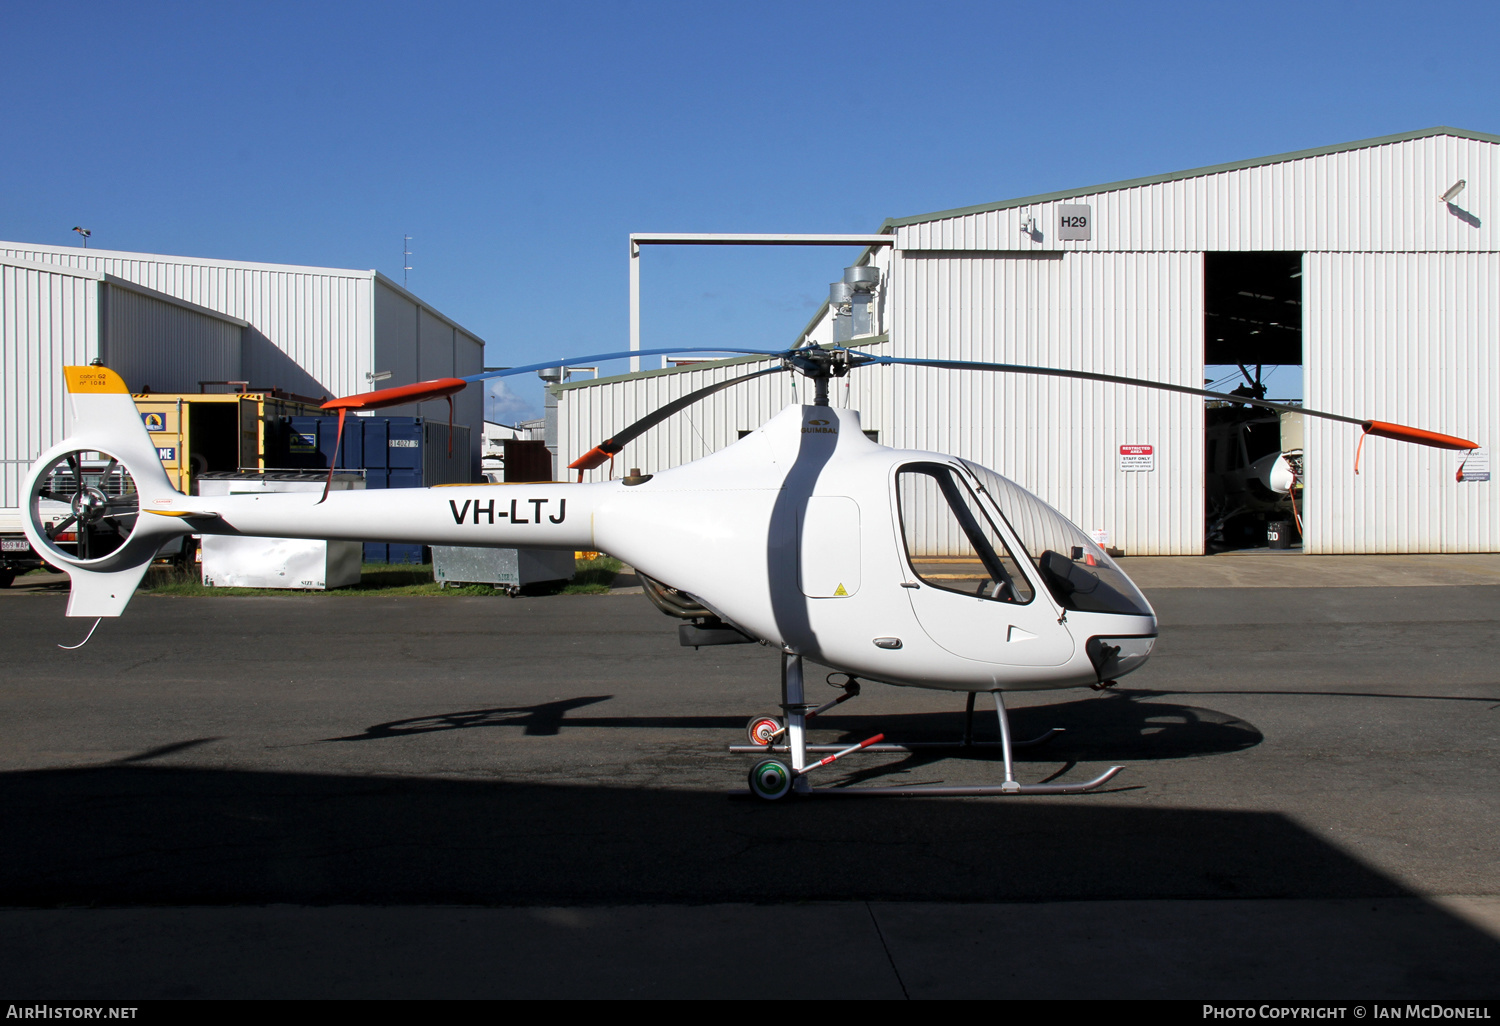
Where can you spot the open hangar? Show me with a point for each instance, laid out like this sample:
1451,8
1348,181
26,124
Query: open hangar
1369,264
169,323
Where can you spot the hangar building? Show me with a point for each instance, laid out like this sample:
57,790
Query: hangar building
167,323
1375,265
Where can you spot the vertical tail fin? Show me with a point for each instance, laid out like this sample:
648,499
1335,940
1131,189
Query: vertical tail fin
95,484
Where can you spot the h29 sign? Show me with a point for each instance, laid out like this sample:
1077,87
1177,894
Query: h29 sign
1074,222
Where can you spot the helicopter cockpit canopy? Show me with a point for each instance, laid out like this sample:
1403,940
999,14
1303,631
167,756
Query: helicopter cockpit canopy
1078,573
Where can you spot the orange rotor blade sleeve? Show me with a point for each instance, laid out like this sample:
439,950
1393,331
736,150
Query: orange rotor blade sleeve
439,388
595,457
1401,432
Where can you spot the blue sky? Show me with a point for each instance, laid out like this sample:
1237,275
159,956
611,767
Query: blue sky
520,144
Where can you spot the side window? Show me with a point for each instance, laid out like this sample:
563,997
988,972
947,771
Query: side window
950,541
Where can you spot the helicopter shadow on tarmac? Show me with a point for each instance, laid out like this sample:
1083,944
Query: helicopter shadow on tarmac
1116,726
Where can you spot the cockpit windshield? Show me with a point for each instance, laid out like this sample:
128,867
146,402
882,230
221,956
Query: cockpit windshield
950,541
1078,572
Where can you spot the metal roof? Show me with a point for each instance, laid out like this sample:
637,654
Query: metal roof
79,251
118,282
32,265
1238,165
336,272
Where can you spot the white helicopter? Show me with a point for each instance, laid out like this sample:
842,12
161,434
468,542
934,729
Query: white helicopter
885,565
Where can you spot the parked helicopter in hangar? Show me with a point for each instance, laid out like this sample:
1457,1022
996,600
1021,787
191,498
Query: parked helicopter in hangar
890,566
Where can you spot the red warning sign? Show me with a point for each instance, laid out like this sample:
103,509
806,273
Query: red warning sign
1137,458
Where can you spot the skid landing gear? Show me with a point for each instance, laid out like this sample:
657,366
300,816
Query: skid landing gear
774,778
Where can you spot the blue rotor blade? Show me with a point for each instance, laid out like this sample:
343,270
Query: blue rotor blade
601,357
1057,372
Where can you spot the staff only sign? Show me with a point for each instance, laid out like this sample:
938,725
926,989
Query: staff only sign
1137,457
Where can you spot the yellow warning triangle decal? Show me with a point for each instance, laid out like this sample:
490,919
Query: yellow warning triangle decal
840,592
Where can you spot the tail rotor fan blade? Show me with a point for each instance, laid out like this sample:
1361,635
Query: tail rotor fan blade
102,499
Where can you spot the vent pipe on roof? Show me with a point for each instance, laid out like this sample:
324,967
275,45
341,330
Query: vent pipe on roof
840,305
863,281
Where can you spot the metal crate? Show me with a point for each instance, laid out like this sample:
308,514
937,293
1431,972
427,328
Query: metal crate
230,561
508,569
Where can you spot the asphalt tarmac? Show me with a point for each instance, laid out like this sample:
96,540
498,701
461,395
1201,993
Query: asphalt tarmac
329,796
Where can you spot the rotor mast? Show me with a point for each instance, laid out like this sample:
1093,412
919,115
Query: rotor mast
819,365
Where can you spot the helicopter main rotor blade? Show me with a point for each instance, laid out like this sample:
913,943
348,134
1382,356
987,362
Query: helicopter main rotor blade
610,447
446,388
623,354
1383,429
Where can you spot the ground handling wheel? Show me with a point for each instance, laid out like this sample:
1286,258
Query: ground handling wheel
763,730
770,779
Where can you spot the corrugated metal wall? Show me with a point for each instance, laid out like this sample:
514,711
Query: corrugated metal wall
395,337
1375,199
312,331
415,344
590,413
48,320
156,344
311,327
1409,338
1400,321
1399,324
1134,314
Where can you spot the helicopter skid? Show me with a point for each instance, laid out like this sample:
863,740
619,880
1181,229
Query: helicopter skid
942,791
772,778
899,746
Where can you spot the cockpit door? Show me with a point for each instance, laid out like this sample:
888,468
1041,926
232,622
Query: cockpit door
969,592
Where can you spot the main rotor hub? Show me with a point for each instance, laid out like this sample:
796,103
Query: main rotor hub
820,365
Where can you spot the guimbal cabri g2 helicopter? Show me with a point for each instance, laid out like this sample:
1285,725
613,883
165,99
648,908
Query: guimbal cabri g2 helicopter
885,565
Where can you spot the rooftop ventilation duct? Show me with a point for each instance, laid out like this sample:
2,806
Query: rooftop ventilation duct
840,304
863,281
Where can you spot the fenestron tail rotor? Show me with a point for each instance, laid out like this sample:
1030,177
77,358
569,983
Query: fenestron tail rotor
88,502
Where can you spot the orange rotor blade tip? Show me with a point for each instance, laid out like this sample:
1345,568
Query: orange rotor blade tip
439,388
595,457
1403,433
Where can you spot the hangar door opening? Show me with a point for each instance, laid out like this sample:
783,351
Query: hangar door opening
1252,347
